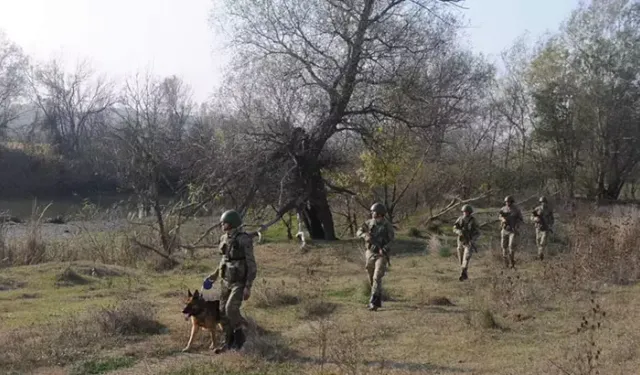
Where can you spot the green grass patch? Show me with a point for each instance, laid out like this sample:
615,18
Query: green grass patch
445,251
345,293
278,232
101,366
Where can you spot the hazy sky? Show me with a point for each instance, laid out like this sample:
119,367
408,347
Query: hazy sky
173,36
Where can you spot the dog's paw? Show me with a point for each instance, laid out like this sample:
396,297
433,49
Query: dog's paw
186,349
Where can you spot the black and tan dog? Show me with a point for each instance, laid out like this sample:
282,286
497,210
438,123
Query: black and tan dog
204,315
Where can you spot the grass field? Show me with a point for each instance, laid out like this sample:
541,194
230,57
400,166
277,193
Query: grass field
308,310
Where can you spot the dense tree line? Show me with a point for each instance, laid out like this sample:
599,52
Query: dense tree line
333,104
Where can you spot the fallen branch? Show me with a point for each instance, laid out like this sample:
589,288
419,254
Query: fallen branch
149,247
279,214
455,202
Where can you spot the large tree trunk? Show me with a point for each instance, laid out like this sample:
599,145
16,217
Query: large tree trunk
317,214
613,189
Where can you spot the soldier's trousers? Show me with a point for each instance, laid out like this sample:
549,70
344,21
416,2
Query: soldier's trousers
541,240
464,254
509,243
230,302
376,268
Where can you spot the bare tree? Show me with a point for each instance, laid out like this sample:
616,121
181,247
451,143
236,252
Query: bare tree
13,66
148,153
71,103
588,95
337,55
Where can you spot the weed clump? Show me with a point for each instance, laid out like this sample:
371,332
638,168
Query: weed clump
584,357
269,296
128,318
69,277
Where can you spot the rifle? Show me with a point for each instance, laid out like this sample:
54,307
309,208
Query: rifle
465,237
376,245
543,224
505,224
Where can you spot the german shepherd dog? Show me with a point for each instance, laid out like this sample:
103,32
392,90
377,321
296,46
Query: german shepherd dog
204,315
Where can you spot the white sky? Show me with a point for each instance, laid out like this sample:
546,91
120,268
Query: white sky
173,36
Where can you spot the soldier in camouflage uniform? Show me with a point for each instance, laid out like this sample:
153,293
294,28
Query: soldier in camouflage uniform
377,233
466,227
510,220
237,270
542,216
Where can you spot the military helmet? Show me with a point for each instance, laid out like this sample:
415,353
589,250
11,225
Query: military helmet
542,199
232,218
467,208
509,199
379,208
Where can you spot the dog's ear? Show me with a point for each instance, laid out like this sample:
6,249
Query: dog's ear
189,293
196,294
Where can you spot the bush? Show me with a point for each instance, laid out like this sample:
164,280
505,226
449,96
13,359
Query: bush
269,296
602,249
128,318
414,232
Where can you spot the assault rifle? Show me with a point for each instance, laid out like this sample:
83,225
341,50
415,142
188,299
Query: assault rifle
377,246
505,224
543,224
465,236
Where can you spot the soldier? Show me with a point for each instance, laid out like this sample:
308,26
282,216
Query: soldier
510,219
237,270
377,233
542,216
466,227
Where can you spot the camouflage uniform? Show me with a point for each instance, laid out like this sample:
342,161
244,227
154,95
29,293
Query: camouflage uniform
543,218
237,270
468,231
511,217
379,231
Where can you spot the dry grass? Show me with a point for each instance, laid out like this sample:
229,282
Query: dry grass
307,313
271,295
77,336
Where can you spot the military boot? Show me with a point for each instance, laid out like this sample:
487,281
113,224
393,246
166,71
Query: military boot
374,303
463,275
512,260
228,343
540,255
378,301
238,339
372,306
507,262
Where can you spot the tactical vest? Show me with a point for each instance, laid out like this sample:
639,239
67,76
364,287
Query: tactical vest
543,213
378,232
512,222
465,224
234,269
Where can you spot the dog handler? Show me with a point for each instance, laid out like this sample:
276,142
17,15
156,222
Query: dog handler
237,270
